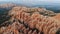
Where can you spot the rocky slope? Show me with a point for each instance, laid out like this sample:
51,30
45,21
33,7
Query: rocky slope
57,16
25,20
42,11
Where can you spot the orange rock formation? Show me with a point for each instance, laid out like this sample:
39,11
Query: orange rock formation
48,25
57,16
30,21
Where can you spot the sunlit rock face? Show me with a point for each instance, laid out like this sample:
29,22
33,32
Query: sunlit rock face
57,16
42,11
18,28
25,20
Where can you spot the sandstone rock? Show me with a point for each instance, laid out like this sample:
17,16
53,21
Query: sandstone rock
31,21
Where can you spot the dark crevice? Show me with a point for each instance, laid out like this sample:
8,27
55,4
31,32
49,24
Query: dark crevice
58,31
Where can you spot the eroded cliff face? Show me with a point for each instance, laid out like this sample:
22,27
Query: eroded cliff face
25,20
42,11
